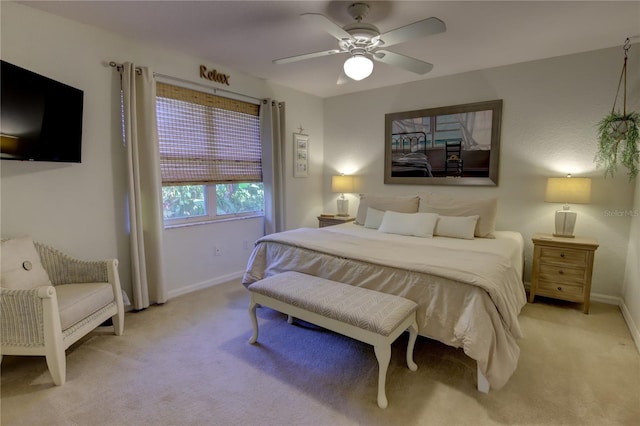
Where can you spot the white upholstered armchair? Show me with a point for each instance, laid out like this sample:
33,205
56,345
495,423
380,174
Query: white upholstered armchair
49,300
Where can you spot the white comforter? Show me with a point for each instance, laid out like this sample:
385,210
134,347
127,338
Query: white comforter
469,292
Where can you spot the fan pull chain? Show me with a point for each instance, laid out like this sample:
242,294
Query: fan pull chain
627,46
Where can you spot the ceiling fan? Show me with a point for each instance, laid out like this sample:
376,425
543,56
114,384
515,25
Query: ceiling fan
363,41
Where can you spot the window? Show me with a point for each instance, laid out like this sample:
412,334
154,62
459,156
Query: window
210,156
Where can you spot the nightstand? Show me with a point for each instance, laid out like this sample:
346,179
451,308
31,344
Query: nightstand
333,220
562,268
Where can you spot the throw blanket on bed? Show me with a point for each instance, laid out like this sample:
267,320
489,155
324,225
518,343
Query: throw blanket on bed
491,272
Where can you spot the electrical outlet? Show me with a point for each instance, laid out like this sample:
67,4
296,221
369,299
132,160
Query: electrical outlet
218,251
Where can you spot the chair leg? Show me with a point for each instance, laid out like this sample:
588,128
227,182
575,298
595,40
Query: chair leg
57,364
118,323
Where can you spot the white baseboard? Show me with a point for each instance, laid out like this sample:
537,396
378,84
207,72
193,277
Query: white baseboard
633,327
205,284
604,298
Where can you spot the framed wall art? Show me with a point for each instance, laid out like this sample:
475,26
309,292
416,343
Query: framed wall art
453,145
300,155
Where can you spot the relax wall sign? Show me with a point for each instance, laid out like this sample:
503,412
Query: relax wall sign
214,75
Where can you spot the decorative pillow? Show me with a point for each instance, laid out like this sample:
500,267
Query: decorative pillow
415,224
456,226
374,218
446,205
21,265
402,204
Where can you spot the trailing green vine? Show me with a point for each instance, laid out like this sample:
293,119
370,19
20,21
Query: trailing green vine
613,144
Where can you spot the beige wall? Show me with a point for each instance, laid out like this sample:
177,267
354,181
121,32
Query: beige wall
550,111
631,289
81,208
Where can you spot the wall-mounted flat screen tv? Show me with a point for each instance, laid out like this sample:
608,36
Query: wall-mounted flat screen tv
40,118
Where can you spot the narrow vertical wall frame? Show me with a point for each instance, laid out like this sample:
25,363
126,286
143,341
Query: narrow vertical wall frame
300,155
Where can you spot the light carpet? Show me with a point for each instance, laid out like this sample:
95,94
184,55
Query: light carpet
189,362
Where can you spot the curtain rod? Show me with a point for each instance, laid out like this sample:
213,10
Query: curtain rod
120,67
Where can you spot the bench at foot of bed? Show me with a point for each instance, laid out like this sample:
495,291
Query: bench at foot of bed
365,315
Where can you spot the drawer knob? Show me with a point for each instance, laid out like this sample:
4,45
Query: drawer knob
559,288
561,272
561,254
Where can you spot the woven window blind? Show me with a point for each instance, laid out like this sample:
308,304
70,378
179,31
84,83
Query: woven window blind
207,139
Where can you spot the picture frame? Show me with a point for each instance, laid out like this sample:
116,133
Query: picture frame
300,155
452,145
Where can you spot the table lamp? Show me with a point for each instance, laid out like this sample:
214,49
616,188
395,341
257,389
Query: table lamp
341,184
567,190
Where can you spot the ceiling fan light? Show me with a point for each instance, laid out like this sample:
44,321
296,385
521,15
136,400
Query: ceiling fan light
358,67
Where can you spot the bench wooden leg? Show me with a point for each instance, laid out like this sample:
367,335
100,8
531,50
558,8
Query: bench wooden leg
413,335
383,353
254,321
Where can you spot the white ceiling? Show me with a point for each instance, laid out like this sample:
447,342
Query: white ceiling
247,35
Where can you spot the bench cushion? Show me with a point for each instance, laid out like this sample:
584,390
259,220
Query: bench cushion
367,309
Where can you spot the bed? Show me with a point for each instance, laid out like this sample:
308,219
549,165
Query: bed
409,155
469,291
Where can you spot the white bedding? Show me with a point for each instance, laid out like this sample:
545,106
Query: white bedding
469,292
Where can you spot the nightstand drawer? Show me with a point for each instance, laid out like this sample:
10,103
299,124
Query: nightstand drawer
563,255
562,268
562,274
560,291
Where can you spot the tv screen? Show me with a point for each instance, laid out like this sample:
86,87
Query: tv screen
40,118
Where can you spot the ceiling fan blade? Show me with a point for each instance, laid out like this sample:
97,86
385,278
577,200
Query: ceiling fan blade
406,62
418,29
326,24
306,56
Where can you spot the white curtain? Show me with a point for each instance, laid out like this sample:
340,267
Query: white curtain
145,185
272,127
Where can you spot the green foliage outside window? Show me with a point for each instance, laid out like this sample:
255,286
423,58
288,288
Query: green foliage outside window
183,201
180,202
239,198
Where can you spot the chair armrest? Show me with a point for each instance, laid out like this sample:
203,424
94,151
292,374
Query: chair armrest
22,315
65,269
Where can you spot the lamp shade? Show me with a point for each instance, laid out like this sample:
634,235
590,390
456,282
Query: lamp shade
342,184
358,67
568,190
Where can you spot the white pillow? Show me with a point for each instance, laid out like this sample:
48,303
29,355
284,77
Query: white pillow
21,265
415,224
446,205
456,226
374,218
401,204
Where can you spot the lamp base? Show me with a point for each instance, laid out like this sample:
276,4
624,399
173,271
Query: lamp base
343,207
565,223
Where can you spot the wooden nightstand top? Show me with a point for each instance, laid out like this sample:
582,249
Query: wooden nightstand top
577,242
334,220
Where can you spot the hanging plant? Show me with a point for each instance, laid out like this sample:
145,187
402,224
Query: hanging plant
618,138
618,134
